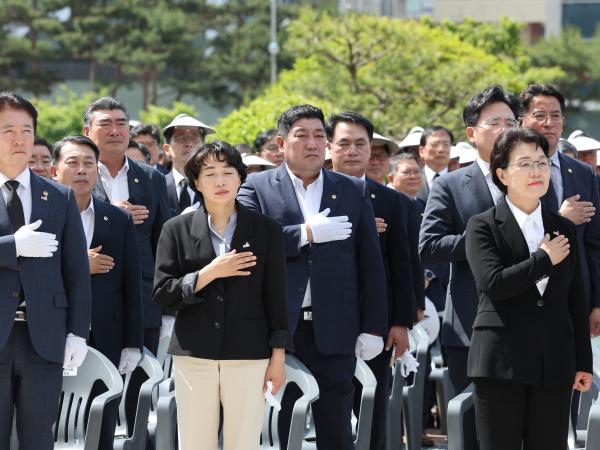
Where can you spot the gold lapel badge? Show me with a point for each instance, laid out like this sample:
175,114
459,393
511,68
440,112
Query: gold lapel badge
44,196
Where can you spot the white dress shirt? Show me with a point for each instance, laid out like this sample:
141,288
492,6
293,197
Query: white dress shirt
556,177
430,174
23,191
88,217
532,227
494,191
179,185
309,200
116,188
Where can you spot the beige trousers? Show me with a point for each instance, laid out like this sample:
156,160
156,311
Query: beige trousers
201,385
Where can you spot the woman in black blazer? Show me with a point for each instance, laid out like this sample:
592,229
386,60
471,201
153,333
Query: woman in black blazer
222,268
531,341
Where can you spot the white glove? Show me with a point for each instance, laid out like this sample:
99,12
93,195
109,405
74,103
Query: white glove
166,329
368,346
409,364
270,398
326,229
35,244
130,357
75,351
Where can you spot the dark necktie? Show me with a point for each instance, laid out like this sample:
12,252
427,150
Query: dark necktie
436,175
14,205
17,218
184,196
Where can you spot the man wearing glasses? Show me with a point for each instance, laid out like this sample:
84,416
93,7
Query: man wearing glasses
434,151
454,198
267,148
183,136
573,190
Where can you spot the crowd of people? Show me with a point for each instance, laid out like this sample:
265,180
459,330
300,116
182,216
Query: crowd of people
324,240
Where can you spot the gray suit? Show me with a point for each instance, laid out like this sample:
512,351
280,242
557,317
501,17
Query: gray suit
454,199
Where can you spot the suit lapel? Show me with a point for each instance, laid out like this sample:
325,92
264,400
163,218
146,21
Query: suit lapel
568,176
40,199
202,242
551,226
244,231
478,188
332,194
511,232
102,222
288,195
172,190
99,192
136,191
5,224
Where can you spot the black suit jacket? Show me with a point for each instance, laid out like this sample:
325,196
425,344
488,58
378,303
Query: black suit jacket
116,295
172,194
146,187
400,253
518,334
233,317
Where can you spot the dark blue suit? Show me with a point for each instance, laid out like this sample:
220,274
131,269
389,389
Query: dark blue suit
172,194
347,280
146,187
454,199
57,296
579,178
116,297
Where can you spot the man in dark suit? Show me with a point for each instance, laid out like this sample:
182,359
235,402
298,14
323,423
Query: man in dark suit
44,284
117,328
336,278
454,198
134,187
434,151
183,136
149,136
573,191
349,137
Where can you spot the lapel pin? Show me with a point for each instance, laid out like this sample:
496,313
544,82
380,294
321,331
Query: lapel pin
333,196
570,170
555,233
135,180
105,218
44,196
372,195
246,245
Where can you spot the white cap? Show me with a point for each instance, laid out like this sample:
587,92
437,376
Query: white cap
255,160
412,138
185,120
454,152
582,142
391,147
598,158
466,153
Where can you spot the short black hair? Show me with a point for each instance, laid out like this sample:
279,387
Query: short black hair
221,151
427,132
290,116
348,117
44,142
75,139
490,95
141,147
103,104
506,142
535,90
10,100
264,137
145,129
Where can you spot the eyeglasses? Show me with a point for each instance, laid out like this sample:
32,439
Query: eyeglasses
497,122
271,149
379,156
527,166
187,139
542,117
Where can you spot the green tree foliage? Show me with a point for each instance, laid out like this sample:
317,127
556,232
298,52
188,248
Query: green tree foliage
162,116
63,115
398,73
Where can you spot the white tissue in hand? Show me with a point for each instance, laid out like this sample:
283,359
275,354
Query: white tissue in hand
409,364
270,398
